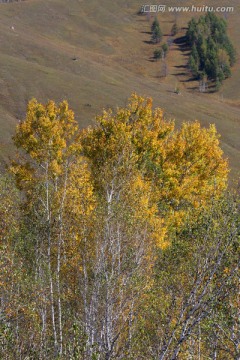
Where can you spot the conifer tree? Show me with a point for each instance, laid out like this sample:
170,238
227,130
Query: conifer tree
156,31
156,35
155,24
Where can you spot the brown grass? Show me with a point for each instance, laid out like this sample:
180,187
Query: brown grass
97,53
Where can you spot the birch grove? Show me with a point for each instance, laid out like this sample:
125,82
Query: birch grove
118,241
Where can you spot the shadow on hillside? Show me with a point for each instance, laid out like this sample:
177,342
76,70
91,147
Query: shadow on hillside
193,88
181,66
181,42
149,42
188,80
146,32
181,74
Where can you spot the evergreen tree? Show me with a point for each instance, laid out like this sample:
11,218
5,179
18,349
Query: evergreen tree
231,52
155,24
220,76
193,66
194,53
157,35
156,31
191,32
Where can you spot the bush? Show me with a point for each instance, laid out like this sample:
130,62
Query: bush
157,54
174,29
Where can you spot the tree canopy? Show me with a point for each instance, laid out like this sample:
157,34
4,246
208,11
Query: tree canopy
212,52
118,240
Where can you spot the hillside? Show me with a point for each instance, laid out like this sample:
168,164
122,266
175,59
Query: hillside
95,55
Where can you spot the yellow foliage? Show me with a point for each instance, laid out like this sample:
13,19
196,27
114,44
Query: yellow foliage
184,168
45,133
164,173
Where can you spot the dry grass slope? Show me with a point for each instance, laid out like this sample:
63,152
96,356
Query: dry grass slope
95,54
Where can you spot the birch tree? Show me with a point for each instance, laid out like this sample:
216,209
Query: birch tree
116,272
45,139
180,305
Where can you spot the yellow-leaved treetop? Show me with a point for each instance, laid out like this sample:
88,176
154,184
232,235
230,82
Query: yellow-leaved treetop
185,167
